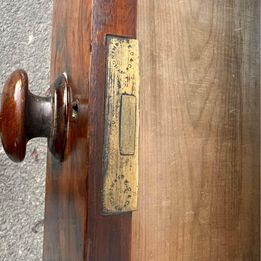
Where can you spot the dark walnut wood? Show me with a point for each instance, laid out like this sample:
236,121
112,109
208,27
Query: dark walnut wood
74,226
24,116
109,237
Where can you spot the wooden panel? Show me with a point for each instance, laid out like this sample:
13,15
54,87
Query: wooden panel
199,191
74,226
109,237
66,183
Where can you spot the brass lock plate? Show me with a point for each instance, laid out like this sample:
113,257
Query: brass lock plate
121,138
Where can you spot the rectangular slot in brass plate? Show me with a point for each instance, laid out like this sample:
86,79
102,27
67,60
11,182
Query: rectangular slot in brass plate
120,152
128,125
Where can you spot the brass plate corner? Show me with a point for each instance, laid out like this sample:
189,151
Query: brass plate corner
121,138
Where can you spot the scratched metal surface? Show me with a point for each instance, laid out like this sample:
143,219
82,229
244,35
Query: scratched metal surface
25,34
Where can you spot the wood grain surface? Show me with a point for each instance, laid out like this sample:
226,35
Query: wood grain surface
200,147
200,185
109,237
74,227
66,205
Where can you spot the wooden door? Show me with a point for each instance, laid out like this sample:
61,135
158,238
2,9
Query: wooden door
199,196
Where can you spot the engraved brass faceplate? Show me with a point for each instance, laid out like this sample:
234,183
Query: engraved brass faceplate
120,154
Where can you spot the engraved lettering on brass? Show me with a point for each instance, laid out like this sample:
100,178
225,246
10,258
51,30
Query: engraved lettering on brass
120,154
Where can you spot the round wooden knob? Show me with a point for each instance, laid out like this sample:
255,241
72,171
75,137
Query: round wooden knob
24,116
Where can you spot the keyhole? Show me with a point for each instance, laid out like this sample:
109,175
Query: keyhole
75,109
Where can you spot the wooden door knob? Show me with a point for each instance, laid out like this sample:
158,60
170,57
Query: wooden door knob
24,116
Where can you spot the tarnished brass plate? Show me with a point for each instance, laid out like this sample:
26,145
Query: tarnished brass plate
120,154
